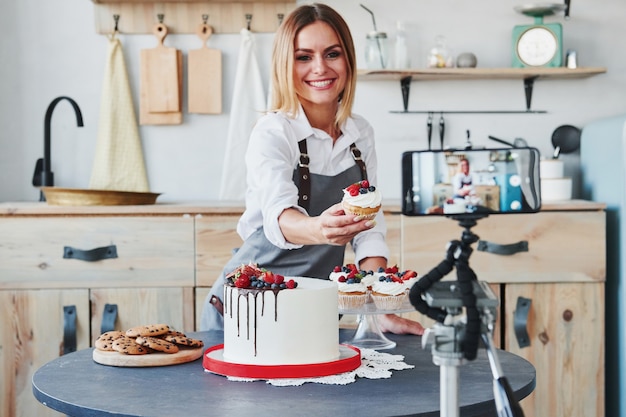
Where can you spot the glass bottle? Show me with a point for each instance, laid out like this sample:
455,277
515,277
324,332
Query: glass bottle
402,60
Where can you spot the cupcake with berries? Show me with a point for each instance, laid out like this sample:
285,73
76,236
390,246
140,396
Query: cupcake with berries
351,271
352,293
361,199
389,292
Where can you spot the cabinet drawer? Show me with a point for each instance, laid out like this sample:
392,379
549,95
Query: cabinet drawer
563,246
216,238
151,251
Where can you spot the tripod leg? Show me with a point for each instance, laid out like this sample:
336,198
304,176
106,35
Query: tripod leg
506,404
449,390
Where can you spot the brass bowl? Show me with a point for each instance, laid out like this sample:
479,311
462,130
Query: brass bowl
57,196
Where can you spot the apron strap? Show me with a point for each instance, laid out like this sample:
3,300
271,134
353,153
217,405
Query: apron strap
356,154
304,191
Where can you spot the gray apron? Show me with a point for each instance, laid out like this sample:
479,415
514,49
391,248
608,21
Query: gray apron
316,261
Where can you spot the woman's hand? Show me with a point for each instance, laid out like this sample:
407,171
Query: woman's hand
332,227
393,323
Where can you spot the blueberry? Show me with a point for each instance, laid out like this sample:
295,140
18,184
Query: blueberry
381,269
381,278
275,286
350,281
362,190
372,188
282,285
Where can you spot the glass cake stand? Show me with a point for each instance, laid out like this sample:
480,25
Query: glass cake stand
368,334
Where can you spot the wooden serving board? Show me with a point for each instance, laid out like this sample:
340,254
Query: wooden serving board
204,87
151,359
161,83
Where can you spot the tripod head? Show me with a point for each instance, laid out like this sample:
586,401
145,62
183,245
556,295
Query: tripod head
457,256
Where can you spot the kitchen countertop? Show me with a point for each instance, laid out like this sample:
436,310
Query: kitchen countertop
207,207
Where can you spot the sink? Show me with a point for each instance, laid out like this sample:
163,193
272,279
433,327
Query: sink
57,196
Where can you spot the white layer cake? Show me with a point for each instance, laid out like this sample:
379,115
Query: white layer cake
287,327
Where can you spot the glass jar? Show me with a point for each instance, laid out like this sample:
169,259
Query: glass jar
440,56
376,55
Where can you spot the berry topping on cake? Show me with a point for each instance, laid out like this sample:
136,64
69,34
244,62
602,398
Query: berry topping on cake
252,277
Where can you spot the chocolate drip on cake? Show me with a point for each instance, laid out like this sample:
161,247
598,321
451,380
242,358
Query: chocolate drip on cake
245,292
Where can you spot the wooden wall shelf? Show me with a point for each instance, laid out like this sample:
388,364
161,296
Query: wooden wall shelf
527,75
184,16
449,74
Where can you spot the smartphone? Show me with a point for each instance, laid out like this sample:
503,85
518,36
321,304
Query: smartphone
470,182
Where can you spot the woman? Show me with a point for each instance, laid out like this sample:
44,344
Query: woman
300,156
462,182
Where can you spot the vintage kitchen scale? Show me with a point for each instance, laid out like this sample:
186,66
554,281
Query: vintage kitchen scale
539,44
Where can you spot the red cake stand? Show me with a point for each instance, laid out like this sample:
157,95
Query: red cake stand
349,360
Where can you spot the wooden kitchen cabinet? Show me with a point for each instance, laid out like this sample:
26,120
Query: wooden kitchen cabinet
150,280
561,275
169,255
31,334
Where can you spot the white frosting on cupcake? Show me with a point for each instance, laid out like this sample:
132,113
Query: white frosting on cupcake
369,279
345,287
389,288
371,199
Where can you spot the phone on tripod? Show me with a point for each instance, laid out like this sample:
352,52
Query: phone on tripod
471,181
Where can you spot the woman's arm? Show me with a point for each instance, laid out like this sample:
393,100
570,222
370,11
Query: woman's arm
332,227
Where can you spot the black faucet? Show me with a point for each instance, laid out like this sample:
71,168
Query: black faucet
44,177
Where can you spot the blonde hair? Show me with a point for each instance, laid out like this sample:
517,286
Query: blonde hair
284,97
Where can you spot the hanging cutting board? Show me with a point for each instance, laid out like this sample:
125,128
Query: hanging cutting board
204,86
161,82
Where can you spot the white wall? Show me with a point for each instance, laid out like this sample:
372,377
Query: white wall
50,49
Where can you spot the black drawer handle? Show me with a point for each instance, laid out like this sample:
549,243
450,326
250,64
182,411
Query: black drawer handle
499,249
69,329
520,321
109,315
91,255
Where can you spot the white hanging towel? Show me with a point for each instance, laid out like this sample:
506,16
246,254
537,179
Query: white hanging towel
118,163
248,105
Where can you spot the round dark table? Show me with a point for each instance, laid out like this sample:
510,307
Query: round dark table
77,386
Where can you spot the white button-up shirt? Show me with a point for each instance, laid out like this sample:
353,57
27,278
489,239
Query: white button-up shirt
271,158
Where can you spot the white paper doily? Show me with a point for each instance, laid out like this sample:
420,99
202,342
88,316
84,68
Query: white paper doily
374,365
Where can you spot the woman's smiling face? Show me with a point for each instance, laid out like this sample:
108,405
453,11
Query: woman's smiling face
320,67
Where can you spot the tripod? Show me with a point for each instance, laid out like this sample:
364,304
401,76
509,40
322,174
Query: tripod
454,338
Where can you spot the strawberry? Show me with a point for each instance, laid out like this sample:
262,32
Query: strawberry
392,269
243,281
267,276
409,274
353,189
